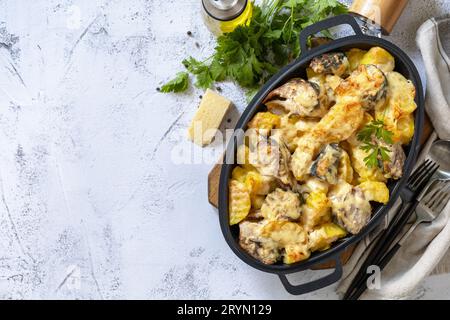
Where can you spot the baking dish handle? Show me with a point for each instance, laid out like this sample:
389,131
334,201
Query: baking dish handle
315,284
343,19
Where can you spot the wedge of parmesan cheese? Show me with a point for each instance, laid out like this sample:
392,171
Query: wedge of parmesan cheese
208,118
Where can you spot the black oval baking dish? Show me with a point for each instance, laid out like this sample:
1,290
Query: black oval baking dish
297,68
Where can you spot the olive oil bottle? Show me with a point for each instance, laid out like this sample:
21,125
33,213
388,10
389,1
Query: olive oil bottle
223,16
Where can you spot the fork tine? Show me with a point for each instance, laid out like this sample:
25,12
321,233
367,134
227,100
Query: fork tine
431,193
425,177
441,189
439,201
433,202
444,202
420,173
420,169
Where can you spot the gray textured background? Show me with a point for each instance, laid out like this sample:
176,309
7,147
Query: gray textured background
91,205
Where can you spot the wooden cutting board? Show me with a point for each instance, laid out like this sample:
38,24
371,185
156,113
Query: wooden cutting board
213,197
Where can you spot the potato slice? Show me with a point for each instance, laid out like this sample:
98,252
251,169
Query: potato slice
239,174
295,253
239,202
375,191
316,210
255,182
323,236
405,129
258,184
397,114
355,56
381,58
265,121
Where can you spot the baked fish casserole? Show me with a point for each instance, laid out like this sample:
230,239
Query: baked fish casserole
316,159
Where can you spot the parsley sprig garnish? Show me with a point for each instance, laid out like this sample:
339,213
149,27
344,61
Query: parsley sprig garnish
252,53
371,136
178,84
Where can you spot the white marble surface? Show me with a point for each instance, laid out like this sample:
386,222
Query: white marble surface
92,205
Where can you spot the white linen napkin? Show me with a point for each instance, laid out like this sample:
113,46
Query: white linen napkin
426,251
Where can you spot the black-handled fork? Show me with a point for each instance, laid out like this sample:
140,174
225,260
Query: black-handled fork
429,208
427,211
415,184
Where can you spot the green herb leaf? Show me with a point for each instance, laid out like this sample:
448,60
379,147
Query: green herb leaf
372,159
386,136
384,153
218,71
201,71
194,66
373,136
178,84
273,34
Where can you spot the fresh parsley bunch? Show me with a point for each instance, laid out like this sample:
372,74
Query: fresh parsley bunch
252,53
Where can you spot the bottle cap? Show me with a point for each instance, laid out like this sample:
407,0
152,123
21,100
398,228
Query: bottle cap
384,13
224,10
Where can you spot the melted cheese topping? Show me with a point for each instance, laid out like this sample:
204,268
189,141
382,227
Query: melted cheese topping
350,207
281,205
302,183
